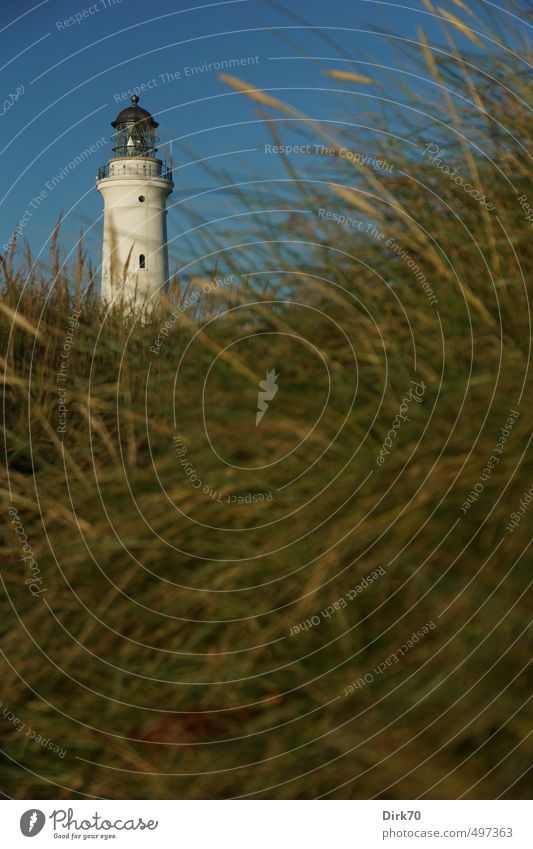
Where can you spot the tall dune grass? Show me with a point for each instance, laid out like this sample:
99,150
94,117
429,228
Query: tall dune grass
160,654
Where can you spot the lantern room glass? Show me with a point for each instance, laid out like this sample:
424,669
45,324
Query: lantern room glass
135,139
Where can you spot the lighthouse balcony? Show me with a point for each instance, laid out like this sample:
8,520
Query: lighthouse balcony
142,167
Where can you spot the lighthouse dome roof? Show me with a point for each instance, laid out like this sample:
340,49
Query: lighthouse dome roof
134,114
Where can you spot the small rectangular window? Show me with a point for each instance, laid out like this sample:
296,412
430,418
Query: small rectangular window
142,262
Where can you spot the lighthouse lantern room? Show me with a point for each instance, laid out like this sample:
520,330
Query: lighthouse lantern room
135,185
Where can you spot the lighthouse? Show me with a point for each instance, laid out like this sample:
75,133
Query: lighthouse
135,185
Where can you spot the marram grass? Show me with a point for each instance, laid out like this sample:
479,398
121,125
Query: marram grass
187,641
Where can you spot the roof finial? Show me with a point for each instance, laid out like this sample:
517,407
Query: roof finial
134,99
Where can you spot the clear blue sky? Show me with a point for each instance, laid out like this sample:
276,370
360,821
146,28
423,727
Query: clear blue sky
73,74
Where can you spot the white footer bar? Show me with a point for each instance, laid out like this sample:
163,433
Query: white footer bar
267,824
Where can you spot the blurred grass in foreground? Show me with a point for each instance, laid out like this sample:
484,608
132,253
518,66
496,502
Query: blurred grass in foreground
161,646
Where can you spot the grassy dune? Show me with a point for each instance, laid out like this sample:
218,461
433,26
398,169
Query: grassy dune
162,649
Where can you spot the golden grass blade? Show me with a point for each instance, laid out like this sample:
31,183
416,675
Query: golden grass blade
348,75
256,94
428,55
356,199
20,321
463,6
463,28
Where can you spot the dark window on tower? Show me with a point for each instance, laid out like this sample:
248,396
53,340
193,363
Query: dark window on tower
142,263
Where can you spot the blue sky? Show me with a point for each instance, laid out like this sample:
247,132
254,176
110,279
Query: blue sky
70,63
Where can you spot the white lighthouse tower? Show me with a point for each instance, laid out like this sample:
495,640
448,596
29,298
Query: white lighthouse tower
135,186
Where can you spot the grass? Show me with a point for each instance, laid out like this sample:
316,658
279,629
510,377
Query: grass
159,656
